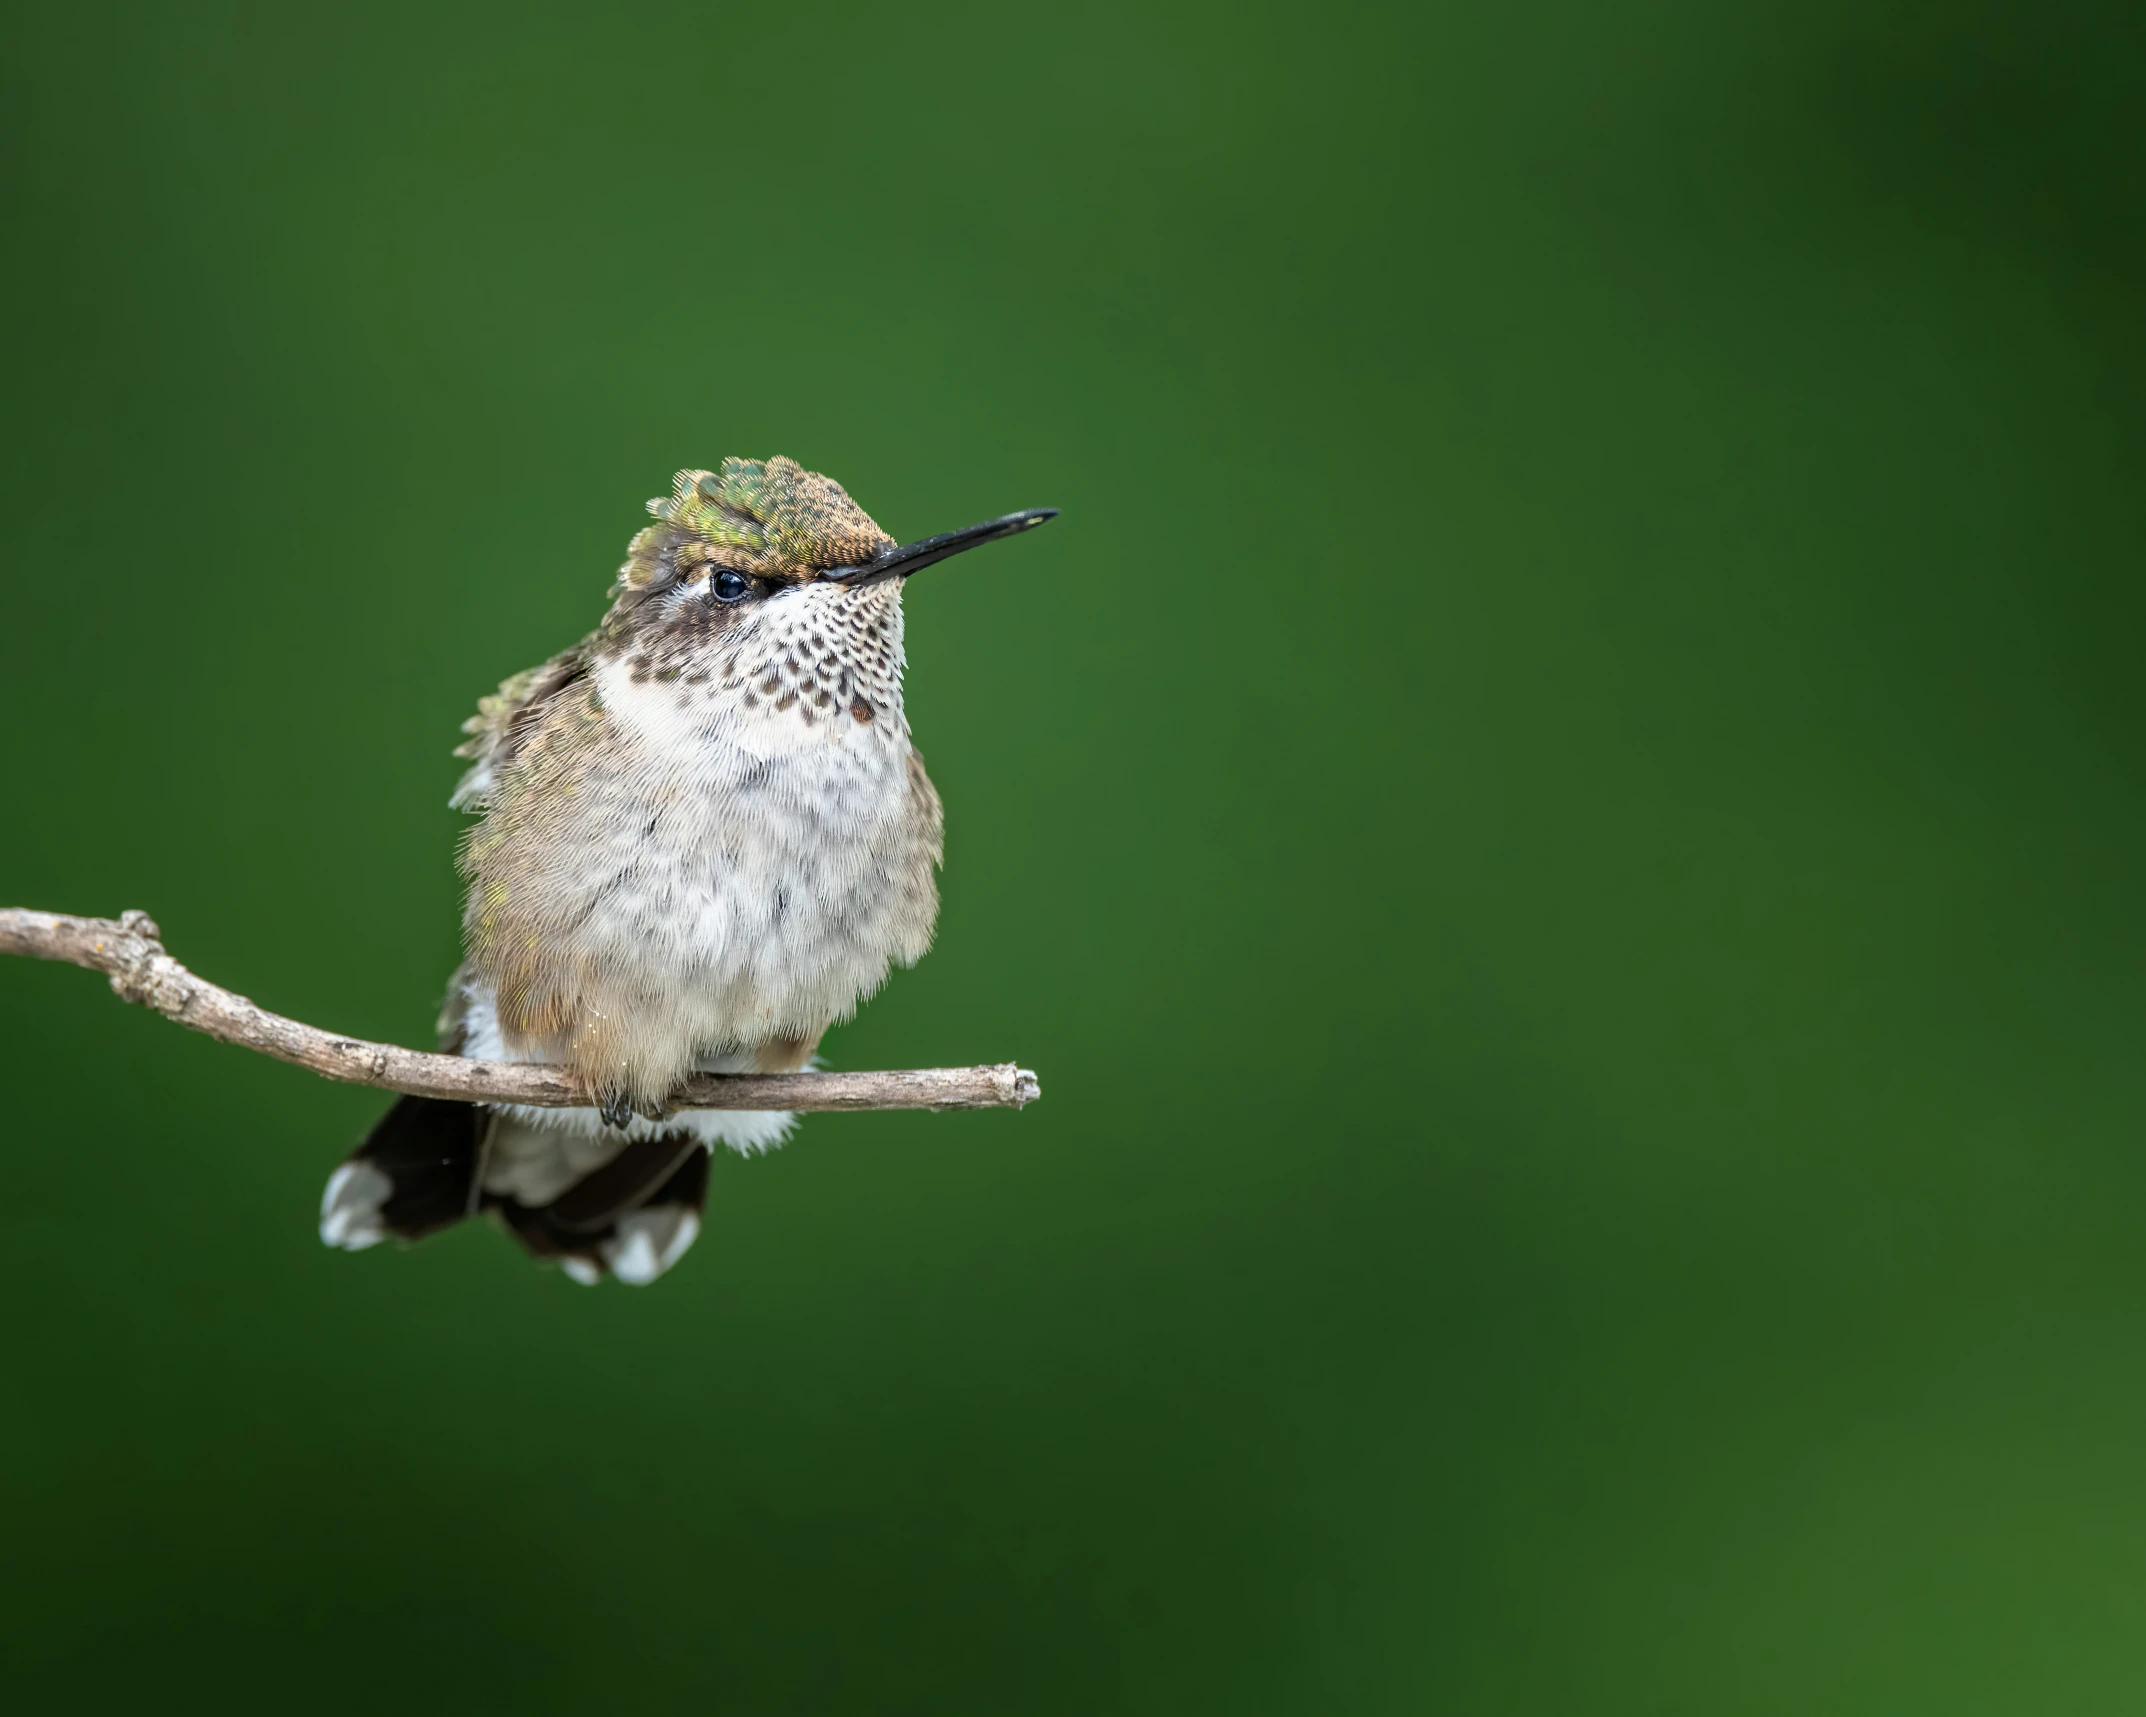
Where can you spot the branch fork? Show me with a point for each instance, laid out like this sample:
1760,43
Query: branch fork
129,950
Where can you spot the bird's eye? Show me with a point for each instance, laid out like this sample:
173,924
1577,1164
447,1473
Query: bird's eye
729,586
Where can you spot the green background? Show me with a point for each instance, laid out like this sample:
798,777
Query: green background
1560,816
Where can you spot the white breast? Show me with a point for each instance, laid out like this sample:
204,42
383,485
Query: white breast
756,868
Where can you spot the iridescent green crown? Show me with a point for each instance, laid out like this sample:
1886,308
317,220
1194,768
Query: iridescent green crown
772,517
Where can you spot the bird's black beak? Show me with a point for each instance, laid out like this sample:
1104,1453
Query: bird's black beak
914,557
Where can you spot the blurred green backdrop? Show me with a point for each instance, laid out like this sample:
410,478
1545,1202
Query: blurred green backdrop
1560,816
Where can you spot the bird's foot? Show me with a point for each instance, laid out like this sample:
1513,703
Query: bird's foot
617,1112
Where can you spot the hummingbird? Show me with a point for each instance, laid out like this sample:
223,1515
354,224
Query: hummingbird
704,836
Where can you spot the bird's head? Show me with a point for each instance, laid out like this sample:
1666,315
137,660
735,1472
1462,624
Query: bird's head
761,529
766,574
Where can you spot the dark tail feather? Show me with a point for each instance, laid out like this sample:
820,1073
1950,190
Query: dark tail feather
416,1173
421,1169
632,1218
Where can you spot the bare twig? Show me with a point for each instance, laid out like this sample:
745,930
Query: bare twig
130,951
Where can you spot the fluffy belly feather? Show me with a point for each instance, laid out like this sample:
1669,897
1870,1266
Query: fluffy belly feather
711,880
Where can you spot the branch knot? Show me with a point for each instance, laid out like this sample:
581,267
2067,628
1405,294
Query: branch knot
133,955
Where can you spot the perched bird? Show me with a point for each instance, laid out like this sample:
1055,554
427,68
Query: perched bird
705,837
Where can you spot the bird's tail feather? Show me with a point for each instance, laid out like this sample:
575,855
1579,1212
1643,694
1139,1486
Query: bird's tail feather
633,1218
416,1173
422,1169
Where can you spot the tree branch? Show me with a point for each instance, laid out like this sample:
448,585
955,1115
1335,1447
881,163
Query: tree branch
131,952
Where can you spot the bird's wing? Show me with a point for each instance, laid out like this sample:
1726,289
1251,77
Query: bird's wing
453,1027
504,719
